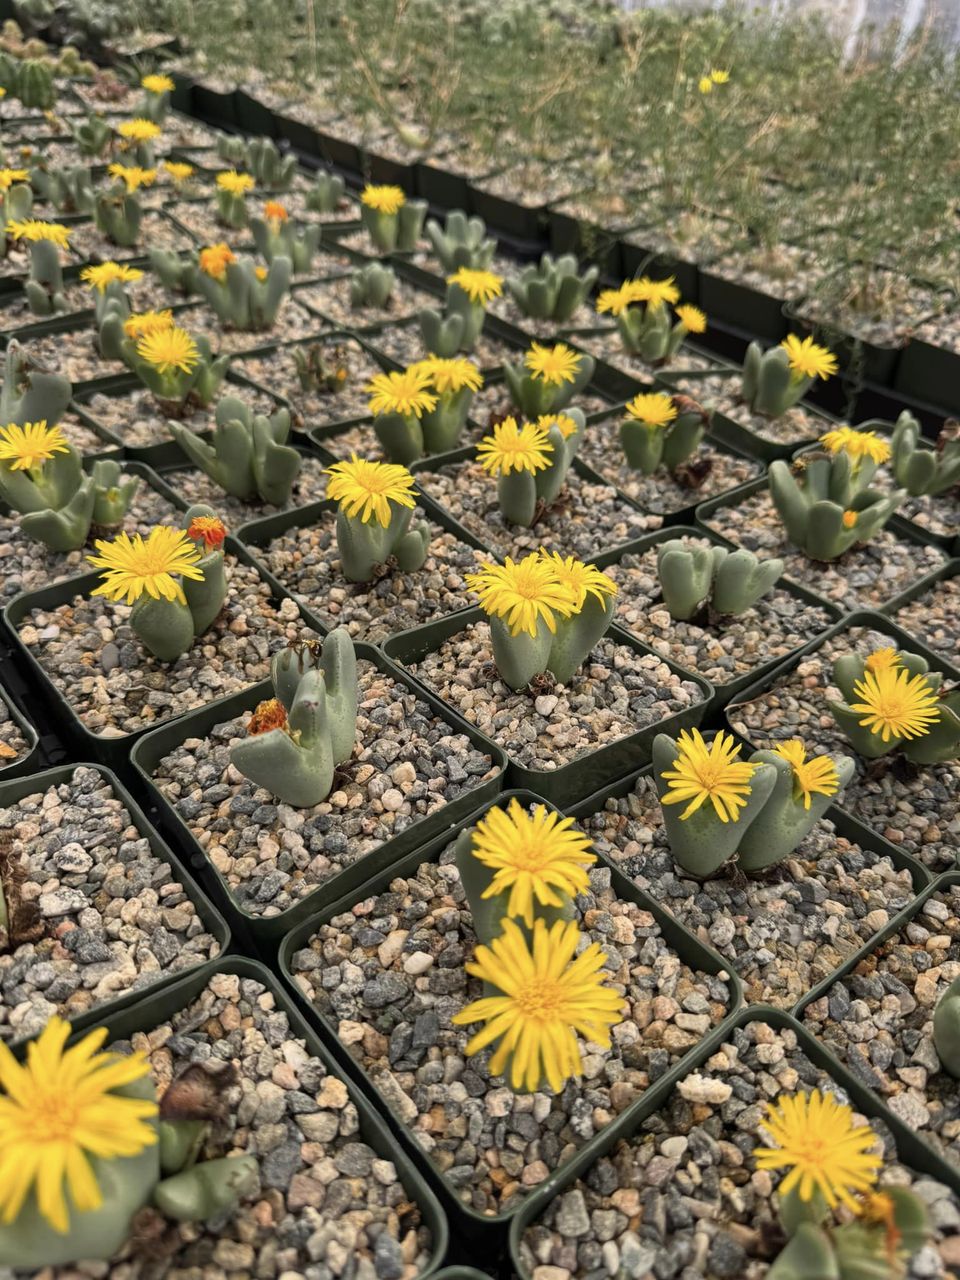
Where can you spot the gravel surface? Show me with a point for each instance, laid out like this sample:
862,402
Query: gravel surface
92,656
720,650
306,560
193,485
407,763
144,295
939,514
493,402
508,310
609,346
277,370
785,929
721,392
865,577
293,324
901,305
615,693
331,298
587,518
156,232
879,1020
404,344
934,618
13,744
326,1202
138,421
682,1197
388,974
785,271
912,806
96,913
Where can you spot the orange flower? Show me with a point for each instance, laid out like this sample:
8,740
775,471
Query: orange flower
268,715
209,530
215,259
275,211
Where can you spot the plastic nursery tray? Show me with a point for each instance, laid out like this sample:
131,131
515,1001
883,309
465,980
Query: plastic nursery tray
153,746
522,221
29,761
489,1230
722,693
732,302
949,570
904,530
911,1151
583,775
147,1013
930,373
213,922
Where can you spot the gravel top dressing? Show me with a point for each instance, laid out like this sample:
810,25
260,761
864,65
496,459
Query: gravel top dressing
407,762
332,299
138,421
916,806
492,403
193,485
609,347
388,974
13,745
934,618
404,344
293,324
796,427
94,914
317,408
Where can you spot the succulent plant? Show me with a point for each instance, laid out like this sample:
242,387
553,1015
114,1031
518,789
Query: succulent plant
393,222
460,324
44,286
755,811
16,204
662,430
175,367
946,1028
920,469
531,461
371,286
92,135
35,85
247,455
644,323
376,505
29,394
119,215
296,739
549,379
248,297
701,576
175,271
554,289
230,199
276,236
260,157
462,242
777,379
316,373
154,104
69,190
326,193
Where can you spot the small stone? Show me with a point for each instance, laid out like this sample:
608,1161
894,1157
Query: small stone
697,1088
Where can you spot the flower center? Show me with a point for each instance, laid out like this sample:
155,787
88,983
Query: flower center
542,998
52,1118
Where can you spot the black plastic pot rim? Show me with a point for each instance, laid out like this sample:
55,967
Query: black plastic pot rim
690,949
27,763
15,789
949,569
151,746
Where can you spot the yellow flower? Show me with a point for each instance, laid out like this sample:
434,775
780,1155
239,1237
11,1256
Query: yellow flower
807,359
237,184
537,857
133,175
9,176
548,996
3,94
616,301
514,448
815,1138
141,323
896,704
857,444
810,777
137,565
404,393
692,318
555,365
653,409
451,376
169,349
719,77
883,659
106,273
656,292
383,199
580,579
479,286
367,488
139,130
562,421
706,84
33,229
522,592
57,1110
261,273
24,447
215,259
713,773
274,211
157,84
177,171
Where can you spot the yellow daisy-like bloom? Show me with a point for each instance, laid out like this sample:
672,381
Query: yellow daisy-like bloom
139,130
653,409
555,365
59,1108
580,579
178,172
141,323
157,84
139,565
810,777
215,259
479,286
383,199
34,229
514,448
132,175
548,997
537,857
9,176
616,301
692,318
815,1138
706,84
237,184
562,421
451,375
657,292
274,211
807,359
169,349
896,704
719,77
24,447
261,273
367,488
849,519
106,273
522,592
857,444
883,659
713,773
405,393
